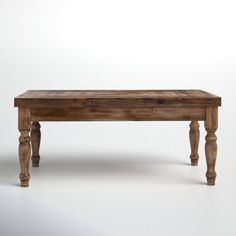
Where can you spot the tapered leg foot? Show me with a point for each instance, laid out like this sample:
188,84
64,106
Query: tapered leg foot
35,141
194,162
35,163
24,180
194,135
211,181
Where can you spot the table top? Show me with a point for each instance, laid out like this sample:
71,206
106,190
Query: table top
48,98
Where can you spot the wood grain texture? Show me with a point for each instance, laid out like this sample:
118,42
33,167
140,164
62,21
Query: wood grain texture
116,98
24,145
194,136
117,114
117,105
211,125
35,143
24,119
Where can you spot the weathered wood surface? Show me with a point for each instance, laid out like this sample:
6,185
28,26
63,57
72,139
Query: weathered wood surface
116,98
35,143
211,125
117,105
24,145
194,136
117,114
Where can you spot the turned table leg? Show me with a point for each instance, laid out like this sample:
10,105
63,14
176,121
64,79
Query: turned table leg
35,142
194,135
24,145
211,125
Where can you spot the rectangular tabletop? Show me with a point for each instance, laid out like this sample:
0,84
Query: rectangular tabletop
116,98
116,105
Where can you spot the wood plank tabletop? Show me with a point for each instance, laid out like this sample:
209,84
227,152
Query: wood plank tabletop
41,98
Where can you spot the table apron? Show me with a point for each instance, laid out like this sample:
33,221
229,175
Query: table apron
118,114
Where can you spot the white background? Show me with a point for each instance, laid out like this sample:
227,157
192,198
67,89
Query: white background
117,178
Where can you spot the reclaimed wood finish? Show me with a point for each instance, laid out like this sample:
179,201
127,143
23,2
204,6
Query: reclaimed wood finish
117,105
24,145
211,125
116,99
35,142
194,136
117,114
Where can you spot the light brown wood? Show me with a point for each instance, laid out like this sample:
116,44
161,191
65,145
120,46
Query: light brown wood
24,145
117,105
211,125
194,136
35,143
117,114
116,98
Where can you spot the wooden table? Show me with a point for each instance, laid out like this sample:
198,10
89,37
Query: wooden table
116,105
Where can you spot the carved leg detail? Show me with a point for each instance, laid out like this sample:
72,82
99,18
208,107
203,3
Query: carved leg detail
24,157
24,145
211,152
35,141
211,125
194,135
